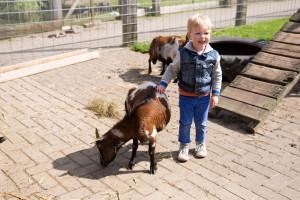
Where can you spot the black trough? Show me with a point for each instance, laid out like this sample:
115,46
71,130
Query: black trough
236,54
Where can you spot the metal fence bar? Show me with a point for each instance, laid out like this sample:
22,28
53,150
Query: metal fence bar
33,31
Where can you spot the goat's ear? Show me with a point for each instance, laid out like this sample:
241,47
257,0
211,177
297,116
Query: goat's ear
97,134
98,138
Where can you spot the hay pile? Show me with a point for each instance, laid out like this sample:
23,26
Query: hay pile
103,109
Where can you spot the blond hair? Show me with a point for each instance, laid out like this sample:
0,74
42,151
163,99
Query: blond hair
199,20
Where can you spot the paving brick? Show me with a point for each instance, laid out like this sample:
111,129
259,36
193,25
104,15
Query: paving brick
239,169
6,184
277,182
36,169
290,193
21,179
116,184
44,180
268,194
30,189
31,137
193,190
70,183
240,191
295,184
76,194
140,186
55,191
101,195
222,171
252,181
156,195
132,194
36,155
261,169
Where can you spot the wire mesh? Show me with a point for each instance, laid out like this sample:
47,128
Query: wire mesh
31,29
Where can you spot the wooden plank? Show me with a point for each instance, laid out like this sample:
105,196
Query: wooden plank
291,27
283,49
41,60
289,38
249,98
277,61
296,16
53,64
241,108
268,74
258,87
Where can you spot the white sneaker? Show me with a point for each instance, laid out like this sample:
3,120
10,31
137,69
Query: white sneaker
183,154
200,150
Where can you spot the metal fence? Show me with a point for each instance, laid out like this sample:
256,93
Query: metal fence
31,29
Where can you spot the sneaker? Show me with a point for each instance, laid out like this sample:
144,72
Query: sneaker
183,154
200,150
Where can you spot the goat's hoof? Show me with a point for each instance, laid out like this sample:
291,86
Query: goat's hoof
153,170
131,165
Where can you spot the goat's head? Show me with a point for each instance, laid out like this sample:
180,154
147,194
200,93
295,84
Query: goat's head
107,150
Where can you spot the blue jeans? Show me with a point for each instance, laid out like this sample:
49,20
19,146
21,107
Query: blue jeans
193,108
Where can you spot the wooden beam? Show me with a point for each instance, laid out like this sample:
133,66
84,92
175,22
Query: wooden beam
258,87
249,98
289,38
71,10
288,50
45,64
291,27
277,61
268,74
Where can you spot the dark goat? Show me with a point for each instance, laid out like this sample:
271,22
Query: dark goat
164,49
147,112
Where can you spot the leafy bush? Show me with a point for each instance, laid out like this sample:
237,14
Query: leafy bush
20,11
141,47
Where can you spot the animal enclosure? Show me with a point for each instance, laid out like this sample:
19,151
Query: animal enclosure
33,29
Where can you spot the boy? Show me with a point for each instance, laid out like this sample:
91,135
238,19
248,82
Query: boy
197,65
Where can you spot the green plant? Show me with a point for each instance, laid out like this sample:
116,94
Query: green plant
141,47
263,30
21,11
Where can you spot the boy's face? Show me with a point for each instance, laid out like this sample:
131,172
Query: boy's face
200,36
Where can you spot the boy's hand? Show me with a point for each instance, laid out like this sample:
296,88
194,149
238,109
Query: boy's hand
214,101
160,89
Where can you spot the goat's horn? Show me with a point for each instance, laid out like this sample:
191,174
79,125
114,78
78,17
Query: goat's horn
97,134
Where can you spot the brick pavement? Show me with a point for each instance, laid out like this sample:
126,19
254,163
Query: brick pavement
48,153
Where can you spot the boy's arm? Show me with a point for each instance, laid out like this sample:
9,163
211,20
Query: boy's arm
216,84
217,78
171,71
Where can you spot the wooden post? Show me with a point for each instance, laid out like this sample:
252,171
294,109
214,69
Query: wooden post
72,9
129,21
241,12
57,9
155,7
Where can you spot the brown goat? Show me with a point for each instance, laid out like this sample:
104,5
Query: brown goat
147,112
164,49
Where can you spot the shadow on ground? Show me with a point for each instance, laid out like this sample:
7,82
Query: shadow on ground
85,163
138,76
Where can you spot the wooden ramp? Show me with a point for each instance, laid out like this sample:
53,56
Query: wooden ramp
269,76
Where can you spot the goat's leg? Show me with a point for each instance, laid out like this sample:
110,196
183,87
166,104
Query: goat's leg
149,66
135,146
151,151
